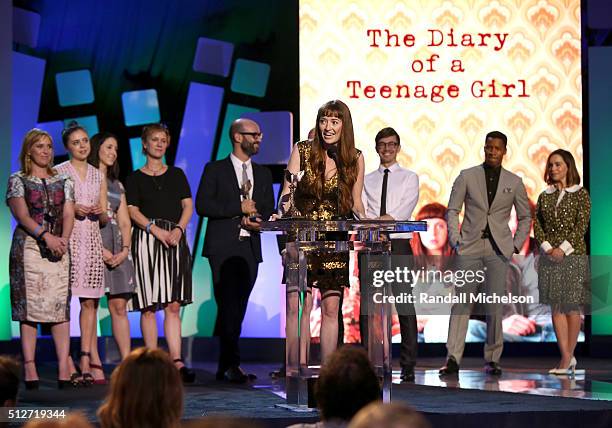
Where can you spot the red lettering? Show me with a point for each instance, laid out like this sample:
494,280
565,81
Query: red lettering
399,91
476,89
457,66
431,60
507,88
523,93
374,33
409,40
417,65
453,91
419,91
355,84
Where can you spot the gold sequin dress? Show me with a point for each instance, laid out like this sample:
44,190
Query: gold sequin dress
562,219
327,268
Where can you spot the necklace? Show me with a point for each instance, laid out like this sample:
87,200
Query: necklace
158,185
154,171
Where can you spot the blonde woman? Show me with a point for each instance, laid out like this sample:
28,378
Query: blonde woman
42,203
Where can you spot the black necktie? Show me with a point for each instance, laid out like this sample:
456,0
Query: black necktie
383,195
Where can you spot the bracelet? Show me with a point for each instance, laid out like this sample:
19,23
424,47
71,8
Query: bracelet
125,246
148,228
37,231
40,237
178,226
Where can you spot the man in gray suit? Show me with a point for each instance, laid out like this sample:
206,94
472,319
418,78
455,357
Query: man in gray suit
485,242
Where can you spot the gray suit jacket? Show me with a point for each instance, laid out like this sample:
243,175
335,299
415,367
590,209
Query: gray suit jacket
470,188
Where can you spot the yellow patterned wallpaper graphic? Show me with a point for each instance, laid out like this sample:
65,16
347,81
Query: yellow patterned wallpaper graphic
444,73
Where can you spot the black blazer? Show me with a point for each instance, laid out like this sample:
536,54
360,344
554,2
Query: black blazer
219,199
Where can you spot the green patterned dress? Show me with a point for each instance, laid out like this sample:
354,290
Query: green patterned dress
562,219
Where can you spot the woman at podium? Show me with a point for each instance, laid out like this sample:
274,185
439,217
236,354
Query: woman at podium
327,172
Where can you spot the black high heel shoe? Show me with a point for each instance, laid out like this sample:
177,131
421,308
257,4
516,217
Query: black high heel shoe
73,382
187,375
87,378
31,385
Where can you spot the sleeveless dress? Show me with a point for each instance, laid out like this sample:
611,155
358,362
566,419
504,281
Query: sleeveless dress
86,267
328,269
119,280
40,281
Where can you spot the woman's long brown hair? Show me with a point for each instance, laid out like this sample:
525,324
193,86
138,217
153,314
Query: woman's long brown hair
347,159
145,391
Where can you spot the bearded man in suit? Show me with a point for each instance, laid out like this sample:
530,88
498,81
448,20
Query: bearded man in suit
234,193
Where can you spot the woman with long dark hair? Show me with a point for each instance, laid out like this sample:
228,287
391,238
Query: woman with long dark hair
116,239
331,174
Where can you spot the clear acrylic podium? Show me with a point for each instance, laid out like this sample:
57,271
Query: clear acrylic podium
306,237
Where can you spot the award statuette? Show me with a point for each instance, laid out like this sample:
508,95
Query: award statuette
245,191
287,206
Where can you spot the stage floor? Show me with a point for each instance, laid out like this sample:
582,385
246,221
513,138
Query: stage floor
525,395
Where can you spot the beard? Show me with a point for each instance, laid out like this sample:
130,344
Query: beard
249,148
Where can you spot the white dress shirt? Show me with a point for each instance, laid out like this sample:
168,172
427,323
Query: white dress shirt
402,194
237,163
238,170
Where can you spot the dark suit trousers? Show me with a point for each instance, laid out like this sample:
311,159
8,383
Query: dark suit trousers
233,280
405,311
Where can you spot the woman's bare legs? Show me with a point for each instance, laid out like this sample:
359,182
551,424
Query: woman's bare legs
117,306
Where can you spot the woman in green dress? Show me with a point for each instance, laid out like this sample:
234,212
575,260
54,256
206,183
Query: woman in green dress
562,219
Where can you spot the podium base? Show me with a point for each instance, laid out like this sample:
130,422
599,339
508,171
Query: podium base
296,408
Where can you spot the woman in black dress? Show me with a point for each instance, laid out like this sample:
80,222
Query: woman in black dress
160,206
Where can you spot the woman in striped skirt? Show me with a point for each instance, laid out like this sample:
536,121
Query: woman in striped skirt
160,206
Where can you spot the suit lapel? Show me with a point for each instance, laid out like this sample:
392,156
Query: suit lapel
256,178
503,175
231,178
482,183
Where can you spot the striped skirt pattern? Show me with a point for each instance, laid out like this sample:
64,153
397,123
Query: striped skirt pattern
163,275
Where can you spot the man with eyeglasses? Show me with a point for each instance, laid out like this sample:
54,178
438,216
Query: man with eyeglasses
234,193
391,192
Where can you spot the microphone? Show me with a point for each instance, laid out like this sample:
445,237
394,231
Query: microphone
332,153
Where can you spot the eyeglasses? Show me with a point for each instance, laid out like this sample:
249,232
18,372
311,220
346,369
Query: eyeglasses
253,134
390,145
